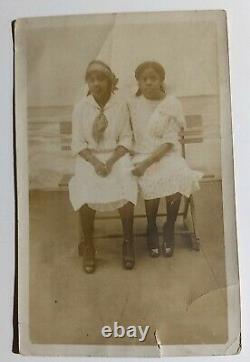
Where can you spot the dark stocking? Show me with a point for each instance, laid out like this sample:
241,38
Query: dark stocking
127,219
173,205
87,217
152,207
86,247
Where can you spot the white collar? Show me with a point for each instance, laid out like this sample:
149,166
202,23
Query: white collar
111,102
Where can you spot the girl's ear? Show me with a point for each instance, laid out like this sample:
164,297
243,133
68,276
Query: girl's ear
164,87
138,92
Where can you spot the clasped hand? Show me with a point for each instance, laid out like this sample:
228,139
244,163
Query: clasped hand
103,169
139,170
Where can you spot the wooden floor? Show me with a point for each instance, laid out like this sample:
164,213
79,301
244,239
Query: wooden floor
183,298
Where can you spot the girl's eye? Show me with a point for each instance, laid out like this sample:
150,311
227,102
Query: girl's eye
151,79
98,78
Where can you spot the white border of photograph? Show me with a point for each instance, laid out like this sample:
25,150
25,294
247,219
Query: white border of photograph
233,343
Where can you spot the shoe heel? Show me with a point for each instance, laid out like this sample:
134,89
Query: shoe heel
128,255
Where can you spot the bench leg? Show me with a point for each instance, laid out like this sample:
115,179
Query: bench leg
186,207
80,236
189,221
195,240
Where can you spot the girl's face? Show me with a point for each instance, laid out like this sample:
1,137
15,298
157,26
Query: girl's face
99,85
150,84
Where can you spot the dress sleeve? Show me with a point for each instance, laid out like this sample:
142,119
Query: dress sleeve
78,142
180,114
172,120
125,134
170,133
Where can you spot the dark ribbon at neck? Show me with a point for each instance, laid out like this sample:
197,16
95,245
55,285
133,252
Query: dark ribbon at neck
99,126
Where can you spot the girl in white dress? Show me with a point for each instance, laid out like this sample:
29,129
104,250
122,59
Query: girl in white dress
101,138
161,170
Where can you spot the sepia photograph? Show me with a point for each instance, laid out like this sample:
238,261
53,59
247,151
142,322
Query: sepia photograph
125,186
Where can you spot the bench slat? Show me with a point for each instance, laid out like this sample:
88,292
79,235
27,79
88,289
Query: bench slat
191,140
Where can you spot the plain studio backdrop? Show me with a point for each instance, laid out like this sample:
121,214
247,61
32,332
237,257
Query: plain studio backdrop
59,50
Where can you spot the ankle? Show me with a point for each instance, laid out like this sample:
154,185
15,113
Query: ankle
128,240
169,225
128,254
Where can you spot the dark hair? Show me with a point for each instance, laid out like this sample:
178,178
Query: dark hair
106,70
150,64
104,65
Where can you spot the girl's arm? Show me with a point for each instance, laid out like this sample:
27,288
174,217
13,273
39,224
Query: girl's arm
118,153
169,137
79,145
158,154
154,157
88,156
124,139
100,167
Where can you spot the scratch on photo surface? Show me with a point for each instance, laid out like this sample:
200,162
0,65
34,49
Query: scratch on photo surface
193,298
158,342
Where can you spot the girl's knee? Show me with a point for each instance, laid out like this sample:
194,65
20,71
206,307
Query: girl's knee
175,197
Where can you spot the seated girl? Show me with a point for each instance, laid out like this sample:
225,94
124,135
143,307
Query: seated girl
101,138
156,120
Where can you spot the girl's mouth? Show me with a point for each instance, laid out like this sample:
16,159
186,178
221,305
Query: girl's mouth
149,91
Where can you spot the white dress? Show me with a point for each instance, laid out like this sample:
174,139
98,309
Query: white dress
86,187
155,123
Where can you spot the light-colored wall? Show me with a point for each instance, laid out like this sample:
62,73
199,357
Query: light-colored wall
59,50
58,54
56,61
205,156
